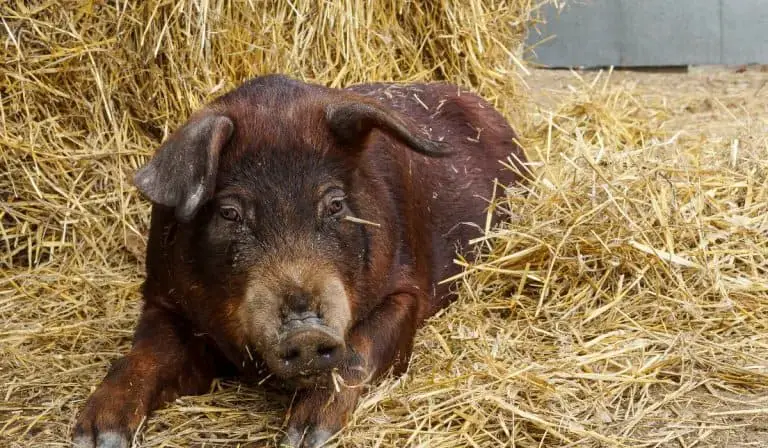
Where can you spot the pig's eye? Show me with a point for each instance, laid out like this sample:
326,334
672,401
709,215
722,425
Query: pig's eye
336,205
229,213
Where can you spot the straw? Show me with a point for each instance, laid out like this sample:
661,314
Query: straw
624,304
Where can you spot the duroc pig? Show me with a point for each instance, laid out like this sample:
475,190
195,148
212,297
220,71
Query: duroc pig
302,232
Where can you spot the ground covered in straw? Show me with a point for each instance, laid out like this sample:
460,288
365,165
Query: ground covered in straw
626,303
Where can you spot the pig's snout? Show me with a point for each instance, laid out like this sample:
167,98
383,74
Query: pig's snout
306,347
310,349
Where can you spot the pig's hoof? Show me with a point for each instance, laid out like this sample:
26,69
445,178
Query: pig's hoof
317,438
292,439
314,438
107,439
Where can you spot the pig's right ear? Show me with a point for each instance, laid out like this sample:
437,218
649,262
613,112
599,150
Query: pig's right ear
182,174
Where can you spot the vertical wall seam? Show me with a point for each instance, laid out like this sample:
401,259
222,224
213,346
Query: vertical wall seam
622,34
722,35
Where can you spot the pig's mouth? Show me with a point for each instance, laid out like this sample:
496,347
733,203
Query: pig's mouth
306,351
298,320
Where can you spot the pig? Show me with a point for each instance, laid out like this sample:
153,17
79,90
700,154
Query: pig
301,233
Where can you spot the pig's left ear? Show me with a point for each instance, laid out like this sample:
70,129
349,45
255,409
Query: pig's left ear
352,122
182,174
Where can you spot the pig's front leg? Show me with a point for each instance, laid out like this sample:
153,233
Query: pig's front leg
382,341
166,361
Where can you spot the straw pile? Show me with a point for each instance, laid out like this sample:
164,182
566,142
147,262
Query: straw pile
624,305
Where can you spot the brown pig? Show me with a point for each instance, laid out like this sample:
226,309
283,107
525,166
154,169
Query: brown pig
301,232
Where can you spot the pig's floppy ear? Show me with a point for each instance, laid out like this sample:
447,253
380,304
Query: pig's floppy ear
182,174
352,122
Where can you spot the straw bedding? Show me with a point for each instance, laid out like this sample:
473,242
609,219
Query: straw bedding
625,304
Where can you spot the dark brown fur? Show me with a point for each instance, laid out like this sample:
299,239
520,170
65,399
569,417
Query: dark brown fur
285,142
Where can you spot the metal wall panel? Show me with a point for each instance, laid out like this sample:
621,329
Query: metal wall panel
652,33
583,35
668,32
745,31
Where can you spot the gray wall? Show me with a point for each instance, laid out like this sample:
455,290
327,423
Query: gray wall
651,33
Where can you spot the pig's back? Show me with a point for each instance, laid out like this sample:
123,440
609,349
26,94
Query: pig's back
444,200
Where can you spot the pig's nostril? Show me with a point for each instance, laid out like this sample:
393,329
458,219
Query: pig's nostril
325,350
292,355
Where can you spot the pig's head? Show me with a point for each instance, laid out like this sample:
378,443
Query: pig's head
262,183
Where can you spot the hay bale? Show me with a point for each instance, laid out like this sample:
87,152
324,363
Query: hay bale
89,91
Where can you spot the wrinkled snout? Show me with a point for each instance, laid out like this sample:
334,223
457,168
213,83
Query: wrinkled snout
309,347
300,317
306,348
